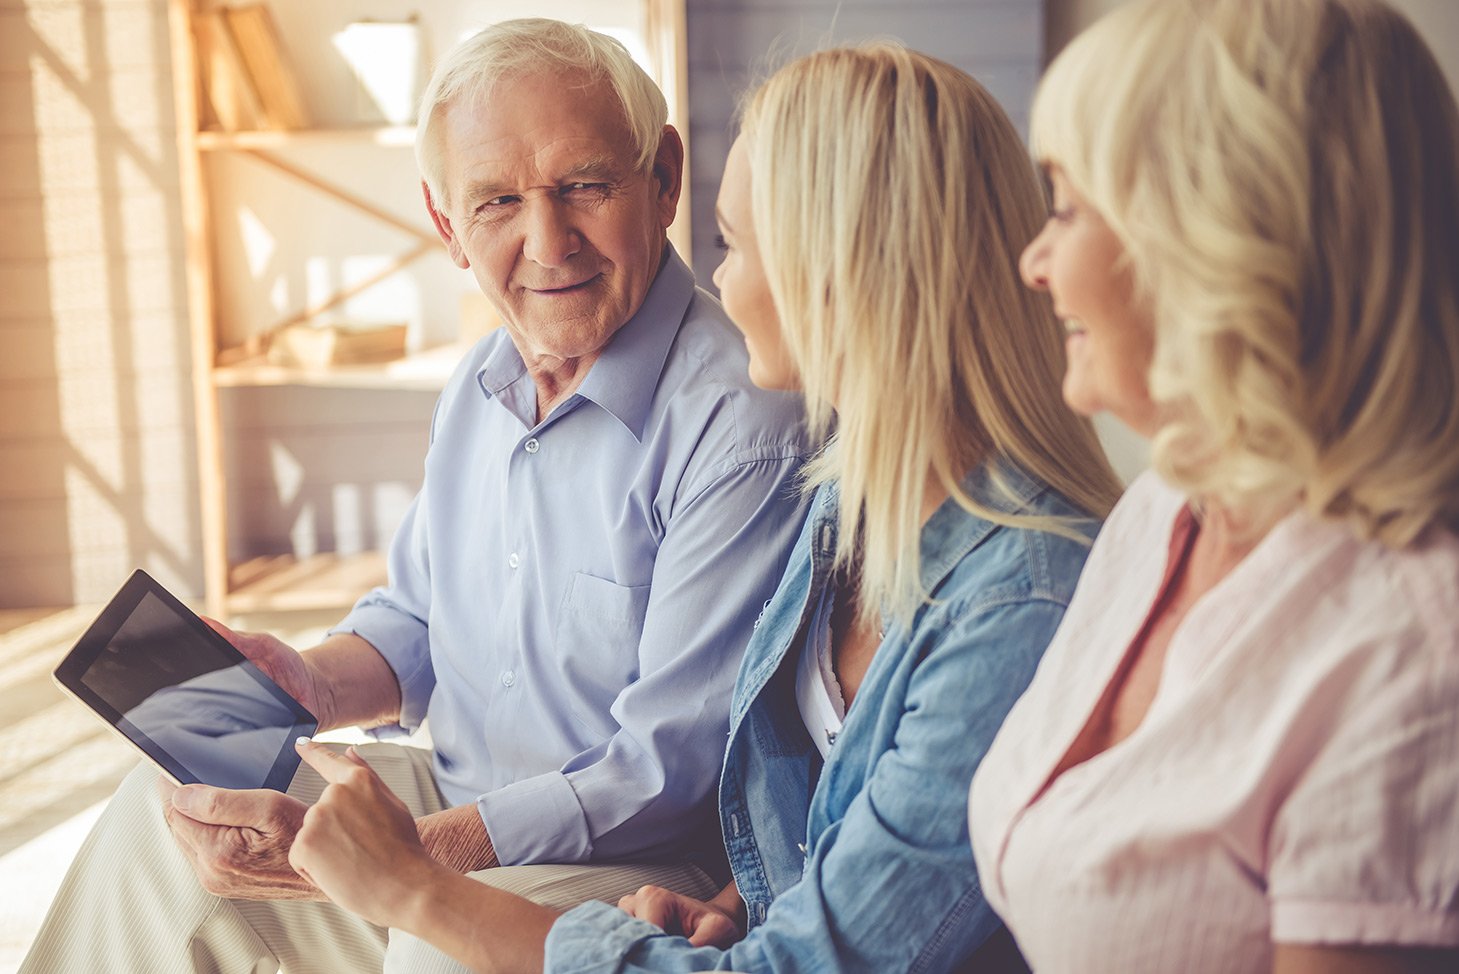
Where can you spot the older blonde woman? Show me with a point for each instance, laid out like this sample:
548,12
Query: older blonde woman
1241,752
873,210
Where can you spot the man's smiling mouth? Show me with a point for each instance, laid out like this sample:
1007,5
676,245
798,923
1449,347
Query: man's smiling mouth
563,288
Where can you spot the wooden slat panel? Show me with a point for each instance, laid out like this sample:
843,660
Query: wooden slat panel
125,34
65,162
138,286
158,517
81,225
43,349
46,101
158,459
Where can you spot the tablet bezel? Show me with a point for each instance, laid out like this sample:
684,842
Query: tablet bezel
93,642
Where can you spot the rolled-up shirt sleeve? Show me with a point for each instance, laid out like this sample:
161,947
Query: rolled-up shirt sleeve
631,794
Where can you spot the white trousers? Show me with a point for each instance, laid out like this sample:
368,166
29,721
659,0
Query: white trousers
130,902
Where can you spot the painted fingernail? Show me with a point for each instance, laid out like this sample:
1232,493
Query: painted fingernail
301,741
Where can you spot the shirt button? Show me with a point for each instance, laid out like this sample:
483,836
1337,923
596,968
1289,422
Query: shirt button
532,446
513,560
509,677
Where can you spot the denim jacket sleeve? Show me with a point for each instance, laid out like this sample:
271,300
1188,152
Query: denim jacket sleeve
892,885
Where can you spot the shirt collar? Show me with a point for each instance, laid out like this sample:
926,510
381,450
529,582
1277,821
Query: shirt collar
623,379
952,531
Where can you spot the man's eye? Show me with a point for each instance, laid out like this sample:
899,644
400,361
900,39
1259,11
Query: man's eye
496,204
587,190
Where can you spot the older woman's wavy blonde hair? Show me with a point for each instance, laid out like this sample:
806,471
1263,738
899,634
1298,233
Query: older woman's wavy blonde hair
1284,175
890,198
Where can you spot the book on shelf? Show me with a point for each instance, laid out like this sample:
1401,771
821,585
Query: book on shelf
228,92
262,50
321,346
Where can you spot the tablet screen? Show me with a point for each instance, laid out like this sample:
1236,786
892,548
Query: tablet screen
183,695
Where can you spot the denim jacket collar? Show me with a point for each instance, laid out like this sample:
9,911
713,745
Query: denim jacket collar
951,532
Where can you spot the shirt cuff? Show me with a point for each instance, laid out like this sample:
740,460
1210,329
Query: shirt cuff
536,820
1317,922
593,937
403,641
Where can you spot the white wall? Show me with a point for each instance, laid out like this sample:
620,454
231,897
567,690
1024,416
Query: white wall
733,43
1436,20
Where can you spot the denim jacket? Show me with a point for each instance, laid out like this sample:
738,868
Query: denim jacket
864,864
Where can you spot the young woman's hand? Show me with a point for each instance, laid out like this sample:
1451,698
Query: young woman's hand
359,842
706,924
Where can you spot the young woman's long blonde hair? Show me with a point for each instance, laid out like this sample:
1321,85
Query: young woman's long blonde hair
891,197
1284,176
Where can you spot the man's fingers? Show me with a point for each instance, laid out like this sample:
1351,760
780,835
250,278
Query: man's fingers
164,789
257,808
183,829
221,629
332,766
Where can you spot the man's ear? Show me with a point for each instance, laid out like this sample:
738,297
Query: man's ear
444,228
668,171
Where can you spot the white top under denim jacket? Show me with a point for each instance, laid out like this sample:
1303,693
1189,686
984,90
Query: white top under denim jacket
863,864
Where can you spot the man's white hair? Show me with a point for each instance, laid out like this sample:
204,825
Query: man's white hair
536,45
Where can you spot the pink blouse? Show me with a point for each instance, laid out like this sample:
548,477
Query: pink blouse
1296,779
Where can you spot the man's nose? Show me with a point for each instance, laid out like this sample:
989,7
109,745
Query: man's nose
551,238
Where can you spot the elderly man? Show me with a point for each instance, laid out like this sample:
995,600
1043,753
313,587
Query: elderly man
607,503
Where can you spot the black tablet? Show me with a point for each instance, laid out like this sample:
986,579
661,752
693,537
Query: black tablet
164,680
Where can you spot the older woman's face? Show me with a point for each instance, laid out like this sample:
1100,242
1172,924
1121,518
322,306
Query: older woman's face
1110,340
741,279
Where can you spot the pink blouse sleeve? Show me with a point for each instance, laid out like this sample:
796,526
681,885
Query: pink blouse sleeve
1364,849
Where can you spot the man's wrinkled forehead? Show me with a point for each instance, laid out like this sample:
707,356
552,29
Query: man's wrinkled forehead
593,96
532,129
559,111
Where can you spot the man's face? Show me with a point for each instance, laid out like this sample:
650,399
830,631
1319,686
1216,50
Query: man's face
547,209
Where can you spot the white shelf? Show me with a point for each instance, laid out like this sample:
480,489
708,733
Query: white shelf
285,583
427,370
380,135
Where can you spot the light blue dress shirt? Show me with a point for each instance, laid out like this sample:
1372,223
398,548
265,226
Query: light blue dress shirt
862,862
569,600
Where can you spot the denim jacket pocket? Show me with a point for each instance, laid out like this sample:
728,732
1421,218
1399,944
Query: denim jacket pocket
598,629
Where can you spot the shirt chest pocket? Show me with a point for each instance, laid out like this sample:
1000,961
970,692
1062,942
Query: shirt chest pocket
598,630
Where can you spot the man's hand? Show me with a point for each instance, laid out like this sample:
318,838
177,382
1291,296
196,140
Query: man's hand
284,665
359,844
238,841
706,924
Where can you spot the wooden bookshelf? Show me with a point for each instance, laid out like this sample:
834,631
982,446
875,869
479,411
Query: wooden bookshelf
275,125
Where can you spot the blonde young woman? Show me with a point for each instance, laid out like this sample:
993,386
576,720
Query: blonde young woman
873,210
1241,752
